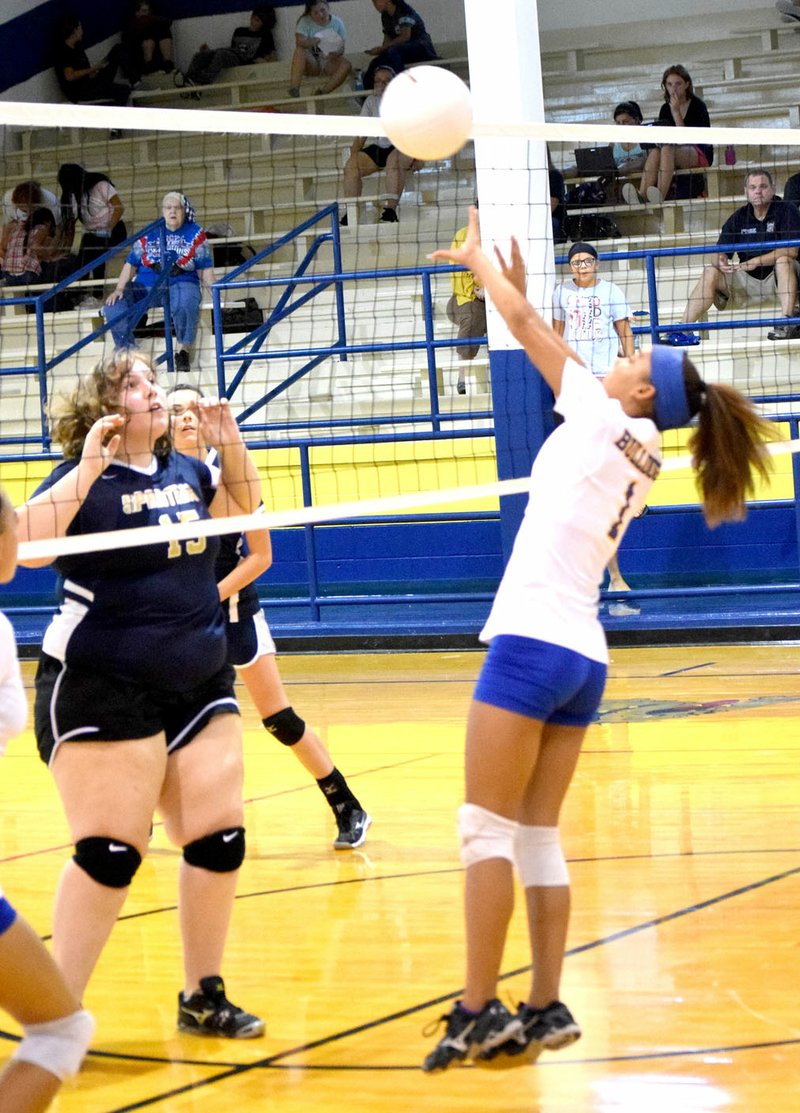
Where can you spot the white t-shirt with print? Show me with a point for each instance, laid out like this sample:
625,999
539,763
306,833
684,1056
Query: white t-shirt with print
589,314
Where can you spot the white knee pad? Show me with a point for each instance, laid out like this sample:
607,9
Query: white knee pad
539,857
484,835
59,1045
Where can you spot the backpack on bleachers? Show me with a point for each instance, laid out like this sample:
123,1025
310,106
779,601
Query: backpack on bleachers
588,193
590,226
227,254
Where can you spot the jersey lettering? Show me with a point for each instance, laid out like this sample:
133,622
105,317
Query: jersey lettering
152,498
613,533
637,454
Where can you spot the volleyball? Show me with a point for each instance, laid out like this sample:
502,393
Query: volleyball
427,112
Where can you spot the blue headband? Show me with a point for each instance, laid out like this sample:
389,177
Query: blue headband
670,405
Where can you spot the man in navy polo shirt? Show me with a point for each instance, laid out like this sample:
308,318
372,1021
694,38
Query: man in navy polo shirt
759,275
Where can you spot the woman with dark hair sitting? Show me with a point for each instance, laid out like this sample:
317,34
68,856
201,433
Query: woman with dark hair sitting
91,198
79,80
629,158
681,108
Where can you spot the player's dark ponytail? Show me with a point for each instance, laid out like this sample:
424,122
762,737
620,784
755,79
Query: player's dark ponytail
728,447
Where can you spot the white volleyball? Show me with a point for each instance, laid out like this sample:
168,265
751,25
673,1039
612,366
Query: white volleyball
427,112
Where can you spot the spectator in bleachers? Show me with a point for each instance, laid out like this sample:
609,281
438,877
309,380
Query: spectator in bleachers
190,265
79,80
466,308
405,39
369,156
791,190
19,261
254,43
758,275
91,198
681,108
320,38
629,158
148,39
33,251
20,200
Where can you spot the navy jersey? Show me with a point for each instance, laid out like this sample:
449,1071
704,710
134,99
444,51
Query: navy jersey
150,612
245,602
232,548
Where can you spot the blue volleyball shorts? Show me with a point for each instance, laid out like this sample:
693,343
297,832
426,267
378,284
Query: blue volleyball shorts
541,681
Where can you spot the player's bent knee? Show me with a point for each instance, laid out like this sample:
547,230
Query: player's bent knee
539,857
109,862
220,852
58,1046
484,834
286,726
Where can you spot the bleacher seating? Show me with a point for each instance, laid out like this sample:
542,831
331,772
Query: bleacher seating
263,186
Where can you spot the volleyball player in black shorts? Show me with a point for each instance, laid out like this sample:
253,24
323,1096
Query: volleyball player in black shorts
252,650
135,710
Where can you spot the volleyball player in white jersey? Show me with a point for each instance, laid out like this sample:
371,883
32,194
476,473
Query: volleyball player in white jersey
56,1030
251,649
545,670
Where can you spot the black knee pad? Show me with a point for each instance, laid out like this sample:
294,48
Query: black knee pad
109,862
286,726
222,852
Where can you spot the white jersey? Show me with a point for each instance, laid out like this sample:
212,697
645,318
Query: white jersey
591,476
13,704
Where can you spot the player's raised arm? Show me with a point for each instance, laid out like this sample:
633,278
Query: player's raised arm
506,287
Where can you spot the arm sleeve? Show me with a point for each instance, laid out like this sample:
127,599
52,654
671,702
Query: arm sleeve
558,308
581,394
617,304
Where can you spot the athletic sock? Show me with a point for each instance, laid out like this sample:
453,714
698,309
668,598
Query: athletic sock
334,789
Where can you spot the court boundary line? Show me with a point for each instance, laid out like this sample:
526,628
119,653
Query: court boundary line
269,1061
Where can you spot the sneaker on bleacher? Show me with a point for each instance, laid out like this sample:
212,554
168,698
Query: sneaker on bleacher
680,339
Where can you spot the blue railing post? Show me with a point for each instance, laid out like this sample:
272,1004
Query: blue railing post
338,287
310,539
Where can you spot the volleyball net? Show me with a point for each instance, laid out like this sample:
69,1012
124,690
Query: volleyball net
337,343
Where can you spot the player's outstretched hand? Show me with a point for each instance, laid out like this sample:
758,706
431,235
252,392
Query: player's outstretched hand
218,426
514,270
471,247
102,442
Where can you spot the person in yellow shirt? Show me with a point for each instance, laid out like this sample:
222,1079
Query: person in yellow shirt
466,308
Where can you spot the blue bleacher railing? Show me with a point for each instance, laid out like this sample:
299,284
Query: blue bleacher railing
236,361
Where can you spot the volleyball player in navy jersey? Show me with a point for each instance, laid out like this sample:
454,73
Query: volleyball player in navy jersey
55,1029
544,673
251,648
135,710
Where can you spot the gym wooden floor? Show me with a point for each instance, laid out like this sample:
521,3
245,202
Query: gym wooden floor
682,833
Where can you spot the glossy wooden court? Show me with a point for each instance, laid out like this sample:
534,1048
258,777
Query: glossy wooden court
682,833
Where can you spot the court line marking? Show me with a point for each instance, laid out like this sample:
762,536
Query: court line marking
270,1061
687,668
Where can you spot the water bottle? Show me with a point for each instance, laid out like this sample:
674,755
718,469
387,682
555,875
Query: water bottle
359,86
639,317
